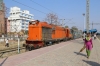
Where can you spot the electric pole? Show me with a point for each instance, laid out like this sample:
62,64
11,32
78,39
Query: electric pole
84,21
87,15
94,24
62,22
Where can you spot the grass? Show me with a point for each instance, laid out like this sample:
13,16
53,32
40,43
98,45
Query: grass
12,44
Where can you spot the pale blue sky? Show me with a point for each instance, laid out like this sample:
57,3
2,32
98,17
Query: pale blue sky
65,9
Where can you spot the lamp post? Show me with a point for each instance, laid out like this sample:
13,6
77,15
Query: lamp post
84,21
84,24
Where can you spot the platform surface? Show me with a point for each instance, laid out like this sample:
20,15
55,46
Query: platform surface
62,54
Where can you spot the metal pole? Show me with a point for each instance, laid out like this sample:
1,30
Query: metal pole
84,25
62,22
84,21
87,15
92,25
18,45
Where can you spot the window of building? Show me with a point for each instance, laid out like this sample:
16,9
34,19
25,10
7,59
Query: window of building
27,20
23,23
22,14
31,16
10,13
22,26
13,13
25,14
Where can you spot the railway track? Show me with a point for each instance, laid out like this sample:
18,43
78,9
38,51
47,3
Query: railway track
11,50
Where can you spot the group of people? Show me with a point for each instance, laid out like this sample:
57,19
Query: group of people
88,44
93,36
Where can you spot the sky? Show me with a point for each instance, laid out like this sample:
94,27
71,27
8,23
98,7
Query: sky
65,9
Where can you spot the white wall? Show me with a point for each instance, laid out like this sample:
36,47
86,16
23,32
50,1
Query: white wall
18,17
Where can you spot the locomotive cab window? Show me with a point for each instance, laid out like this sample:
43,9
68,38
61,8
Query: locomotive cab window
34,22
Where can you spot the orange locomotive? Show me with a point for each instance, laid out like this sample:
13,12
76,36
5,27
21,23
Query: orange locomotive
42,34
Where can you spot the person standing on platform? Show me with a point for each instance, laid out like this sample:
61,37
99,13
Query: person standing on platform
94,36
88,44
84,35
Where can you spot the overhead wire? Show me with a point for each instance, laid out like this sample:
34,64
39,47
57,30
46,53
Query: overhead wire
28,6
34,8
40,5
43,6
49,9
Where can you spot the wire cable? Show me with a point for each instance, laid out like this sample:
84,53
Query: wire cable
43,6
28,6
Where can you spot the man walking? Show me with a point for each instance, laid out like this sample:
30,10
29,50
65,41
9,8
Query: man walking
94,36
7,43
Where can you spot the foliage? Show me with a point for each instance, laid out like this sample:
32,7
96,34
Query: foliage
52,18
74,28
66,26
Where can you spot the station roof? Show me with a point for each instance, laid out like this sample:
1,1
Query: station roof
92,30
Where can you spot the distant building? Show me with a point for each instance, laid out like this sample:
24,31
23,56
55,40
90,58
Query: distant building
7,25
19,20
2,18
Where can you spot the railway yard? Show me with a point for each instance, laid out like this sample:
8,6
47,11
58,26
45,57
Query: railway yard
13,49
56,55
48,45
49,33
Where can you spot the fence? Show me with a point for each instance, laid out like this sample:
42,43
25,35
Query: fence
13,41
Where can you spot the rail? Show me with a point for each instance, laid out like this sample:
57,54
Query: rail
11,49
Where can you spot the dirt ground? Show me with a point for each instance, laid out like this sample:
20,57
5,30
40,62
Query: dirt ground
12,44
3,55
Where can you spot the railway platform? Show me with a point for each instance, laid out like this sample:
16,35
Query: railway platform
62,54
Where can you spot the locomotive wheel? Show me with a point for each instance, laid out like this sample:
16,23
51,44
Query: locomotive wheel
48,44
29,48
44,45
26,48
37,47
58,41
32,48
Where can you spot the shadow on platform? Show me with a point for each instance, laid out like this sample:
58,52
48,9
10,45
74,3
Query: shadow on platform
80,54
91,63
3,61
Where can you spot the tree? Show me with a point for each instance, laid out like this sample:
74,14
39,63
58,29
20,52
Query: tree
66,26
80,31
74,28
52,18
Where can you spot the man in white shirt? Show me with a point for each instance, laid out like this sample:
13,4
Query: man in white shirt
7,43
84,35
94,36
